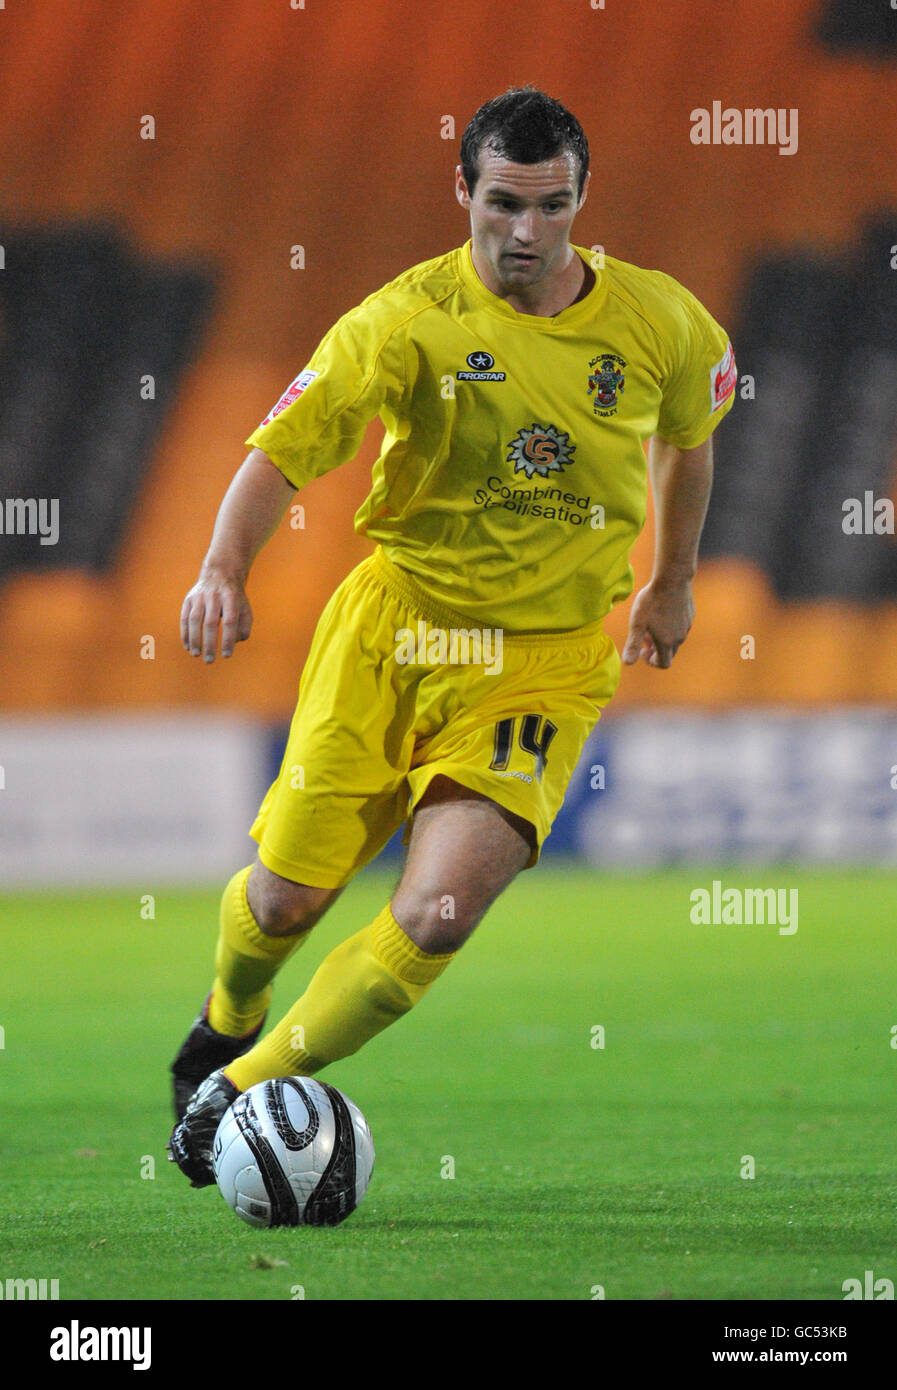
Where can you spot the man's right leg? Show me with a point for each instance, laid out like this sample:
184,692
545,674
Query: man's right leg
340,794
364,984
264,918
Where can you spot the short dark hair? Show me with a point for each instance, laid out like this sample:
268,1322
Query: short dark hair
526,126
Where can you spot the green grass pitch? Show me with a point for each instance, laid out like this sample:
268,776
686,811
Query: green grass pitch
575,1166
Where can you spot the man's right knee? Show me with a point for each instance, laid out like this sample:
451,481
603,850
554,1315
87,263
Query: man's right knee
281,907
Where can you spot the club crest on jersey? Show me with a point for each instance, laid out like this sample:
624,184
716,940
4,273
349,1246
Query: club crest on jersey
541,449
607,380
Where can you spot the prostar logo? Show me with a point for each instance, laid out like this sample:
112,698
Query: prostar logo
541,449
480,364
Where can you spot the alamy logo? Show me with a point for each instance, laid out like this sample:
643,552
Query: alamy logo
868,515
745,907
31,516
753,126
29,1288
77,1343
870,1287
452,646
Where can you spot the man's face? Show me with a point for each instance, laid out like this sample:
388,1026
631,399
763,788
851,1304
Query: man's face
521,215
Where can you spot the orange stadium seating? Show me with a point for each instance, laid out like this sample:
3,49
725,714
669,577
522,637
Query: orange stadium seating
321,127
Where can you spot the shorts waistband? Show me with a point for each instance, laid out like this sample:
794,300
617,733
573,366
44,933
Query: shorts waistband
404,587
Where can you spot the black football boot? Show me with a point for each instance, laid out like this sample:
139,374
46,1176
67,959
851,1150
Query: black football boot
203,1052
190,1145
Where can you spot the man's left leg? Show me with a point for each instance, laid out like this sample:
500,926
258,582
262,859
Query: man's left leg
464,850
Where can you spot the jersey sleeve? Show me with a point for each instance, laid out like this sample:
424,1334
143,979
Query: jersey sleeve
320,420
699,388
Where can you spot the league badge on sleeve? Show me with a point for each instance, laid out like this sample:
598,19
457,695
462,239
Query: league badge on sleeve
292,393
723,376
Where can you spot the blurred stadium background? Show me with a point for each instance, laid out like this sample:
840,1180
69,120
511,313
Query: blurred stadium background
157,295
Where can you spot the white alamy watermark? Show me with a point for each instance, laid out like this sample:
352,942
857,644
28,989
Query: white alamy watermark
727,125
870,1287
451,646
77,1343
868,515
31,516
725,907
29,1288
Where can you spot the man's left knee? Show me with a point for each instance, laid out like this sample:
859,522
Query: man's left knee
436,922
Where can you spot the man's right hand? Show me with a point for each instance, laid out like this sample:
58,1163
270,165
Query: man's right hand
249,513
215,602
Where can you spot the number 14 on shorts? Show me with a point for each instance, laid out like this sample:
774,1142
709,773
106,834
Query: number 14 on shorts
534,736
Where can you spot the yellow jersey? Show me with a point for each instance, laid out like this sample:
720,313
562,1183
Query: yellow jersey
512,480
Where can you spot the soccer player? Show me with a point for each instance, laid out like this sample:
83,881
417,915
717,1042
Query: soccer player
456,674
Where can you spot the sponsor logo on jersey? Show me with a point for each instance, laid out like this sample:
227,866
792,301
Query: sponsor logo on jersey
292,393
723,376
480,364
541,449
607,379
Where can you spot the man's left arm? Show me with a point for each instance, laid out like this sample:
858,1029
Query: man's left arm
664,610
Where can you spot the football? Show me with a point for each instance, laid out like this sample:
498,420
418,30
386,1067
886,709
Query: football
293,1152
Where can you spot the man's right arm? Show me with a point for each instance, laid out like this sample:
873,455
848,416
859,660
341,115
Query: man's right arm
250,513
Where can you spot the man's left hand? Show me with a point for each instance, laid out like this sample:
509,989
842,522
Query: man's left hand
661,616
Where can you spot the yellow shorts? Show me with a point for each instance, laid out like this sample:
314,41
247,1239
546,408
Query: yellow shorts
392,694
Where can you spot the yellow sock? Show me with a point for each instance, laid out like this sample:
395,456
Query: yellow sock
246,962
365,984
